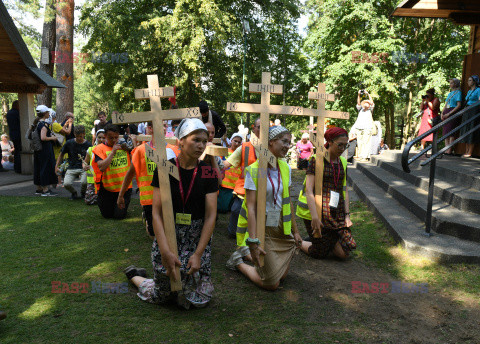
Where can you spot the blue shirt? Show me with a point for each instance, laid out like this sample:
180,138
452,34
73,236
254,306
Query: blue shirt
473,96
454,97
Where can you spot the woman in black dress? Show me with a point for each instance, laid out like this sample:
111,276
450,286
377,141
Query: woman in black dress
44,159
194,200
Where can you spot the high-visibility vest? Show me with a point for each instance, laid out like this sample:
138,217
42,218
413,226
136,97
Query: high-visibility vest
248,158
112,178
231,175
90,172
174,148
144,168
242,233
302,206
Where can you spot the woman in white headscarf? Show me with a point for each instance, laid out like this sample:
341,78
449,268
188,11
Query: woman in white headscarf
194,200
281,233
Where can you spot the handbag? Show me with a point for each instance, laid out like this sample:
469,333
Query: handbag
60,138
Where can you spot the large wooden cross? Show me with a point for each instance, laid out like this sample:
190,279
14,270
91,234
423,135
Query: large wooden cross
318,140
265,89
159,155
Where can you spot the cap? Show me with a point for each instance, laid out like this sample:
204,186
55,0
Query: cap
42,109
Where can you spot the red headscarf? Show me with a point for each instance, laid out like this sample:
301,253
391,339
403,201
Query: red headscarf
334,132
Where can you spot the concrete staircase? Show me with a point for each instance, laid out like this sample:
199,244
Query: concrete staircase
400,200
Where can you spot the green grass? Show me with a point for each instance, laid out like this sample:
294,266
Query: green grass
54,239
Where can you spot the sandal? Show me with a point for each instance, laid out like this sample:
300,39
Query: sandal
466,156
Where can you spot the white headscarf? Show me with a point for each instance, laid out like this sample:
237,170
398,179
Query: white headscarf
236,135
189,125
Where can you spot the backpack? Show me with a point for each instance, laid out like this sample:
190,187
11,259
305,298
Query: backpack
34,139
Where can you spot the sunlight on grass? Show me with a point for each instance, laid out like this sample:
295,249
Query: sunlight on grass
403,257
39,308
100,270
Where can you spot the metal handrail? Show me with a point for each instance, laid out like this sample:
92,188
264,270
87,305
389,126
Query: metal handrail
474,108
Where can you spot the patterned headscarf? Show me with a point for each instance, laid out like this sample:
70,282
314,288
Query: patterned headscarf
275,131
333,133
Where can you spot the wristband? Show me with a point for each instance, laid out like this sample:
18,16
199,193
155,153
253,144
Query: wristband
253,241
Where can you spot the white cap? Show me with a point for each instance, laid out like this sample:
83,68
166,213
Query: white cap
305,136
95,122
42,109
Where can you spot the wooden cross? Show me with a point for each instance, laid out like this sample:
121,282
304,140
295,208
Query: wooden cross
266,157
318,140
159,155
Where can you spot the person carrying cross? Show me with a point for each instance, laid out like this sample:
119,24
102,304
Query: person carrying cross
328,232
281,233
194,200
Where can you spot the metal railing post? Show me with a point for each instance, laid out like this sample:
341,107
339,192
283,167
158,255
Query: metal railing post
431,184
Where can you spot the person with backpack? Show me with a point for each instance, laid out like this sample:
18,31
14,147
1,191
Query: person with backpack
43,156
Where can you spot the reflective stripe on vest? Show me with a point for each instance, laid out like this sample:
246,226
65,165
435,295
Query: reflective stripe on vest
113,176
90,171
302,210
144,168
248,158
231,175
242,233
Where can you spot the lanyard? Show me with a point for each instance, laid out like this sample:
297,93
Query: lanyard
273,186
185,200
336,178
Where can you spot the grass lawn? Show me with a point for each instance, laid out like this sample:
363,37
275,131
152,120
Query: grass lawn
54,239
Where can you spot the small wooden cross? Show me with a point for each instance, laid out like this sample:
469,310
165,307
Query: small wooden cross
318,140
159,155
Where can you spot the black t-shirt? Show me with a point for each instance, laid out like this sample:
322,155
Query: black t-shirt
101,126
206,182
73,149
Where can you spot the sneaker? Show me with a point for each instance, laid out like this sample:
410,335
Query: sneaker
234,260
38,192
133,271
49,193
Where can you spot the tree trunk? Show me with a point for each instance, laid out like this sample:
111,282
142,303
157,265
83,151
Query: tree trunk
408,124
4,114
64,57
391,112
48,41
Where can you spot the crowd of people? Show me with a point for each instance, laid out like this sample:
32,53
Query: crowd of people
208,185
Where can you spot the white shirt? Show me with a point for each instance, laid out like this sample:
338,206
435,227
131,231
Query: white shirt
250,185
364,119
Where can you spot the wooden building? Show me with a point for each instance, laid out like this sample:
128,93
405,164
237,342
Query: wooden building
20,74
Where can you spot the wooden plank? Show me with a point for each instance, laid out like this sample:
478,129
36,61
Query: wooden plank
172,114
166,164
328,113
318,96
216,150
259,88
262,108
162,92
146,138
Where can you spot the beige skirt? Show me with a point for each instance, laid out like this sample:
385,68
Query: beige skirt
279,249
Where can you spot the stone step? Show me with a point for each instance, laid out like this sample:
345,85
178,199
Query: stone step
454,193
451,169
408,229
446,219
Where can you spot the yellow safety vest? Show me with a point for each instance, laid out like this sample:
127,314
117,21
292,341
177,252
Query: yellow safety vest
302,206
242,233
90,173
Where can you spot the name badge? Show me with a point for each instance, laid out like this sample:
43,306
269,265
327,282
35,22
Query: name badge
273,218
334,199
183,219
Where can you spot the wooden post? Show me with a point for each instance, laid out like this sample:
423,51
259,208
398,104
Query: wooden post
318,140
159,155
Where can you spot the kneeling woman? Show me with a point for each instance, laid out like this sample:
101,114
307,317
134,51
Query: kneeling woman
329,232
194,197
279,241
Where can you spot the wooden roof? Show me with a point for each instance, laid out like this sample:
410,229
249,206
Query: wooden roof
463,12
18,70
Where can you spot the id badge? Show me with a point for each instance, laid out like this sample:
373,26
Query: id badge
273,218
334,199
183,219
